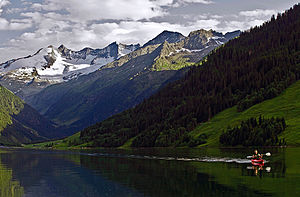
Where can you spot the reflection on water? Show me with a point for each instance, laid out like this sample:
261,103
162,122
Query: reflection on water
53,174
8,186
148,172
275,169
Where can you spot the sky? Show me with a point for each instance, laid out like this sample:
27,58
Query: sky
28,25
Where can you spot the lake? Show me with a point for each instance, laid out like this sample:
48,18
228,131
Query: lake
148,172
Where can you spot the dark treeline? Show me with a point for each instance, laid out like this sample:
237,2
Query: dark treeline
255,132
258,65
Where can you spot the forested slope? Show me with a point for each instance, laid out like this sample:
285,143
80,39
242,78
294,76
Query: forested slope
19,123
259,65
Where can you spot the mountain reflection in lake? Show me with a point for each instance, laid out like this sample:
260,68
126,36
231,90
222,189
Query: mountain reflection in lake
148,172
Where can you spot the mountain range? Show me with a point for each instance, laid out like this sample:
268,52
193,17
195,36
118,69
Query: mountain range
28,75
75,89
172,91
256,74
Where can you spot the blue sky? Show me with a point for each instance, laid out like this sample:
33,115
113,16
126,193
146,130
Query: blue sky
27,25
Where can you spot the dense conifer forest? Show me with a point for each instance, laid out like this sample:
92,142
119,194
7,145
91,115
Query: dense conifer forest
255,132
258,65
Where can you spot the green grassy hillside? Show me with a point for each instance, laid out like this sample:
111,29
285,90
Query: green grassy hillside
286,105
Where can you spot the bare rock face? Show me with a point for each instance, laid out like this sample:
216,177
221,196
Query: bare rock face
202,38
170,37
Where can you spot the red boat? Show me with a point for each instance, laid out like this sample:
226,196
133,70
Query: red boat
257,162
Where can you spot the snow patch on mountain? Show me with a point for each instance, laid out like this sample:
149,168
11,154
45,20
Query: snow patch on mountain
56,65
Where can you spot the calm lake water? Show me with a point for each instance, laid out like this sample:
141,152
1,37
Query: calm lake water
148,172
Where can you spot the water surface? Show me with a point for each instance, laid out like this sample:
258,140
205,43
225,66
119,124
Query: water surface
148,172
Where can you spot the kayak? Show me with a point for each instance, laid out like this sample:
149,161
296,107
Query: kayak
257,161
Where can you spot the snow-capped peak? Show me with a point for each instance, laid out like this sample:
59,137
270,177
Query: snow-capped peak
61,64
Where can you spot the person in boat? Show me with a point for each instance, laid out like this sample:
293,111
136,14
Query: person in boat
257,155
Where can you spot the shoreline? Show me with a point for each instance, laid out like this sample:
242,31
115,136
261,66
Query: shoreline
140,148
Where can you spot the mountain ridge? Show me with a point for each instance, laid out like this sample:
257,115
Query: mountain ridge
126,82
244,72
170,36
135,74
29,75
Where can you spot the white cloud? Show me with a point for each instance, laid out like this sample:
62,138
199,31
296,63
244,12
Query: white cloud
246,19
3,3
163,2
235,25
197,1
19,24
106,9
37,6
35,16
3,23
14,24
258,13
241,25
14,10
7,53
77,36
255,22
95,23
184,2
134,32
112,9
206,24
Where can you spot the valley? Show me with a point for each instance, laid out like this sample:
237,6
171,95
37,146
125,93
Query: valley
235,74
91,85
124,98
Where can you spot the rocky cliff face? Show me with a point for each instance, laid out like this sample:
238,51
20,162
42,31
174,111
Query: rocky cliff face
201,38
169,36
